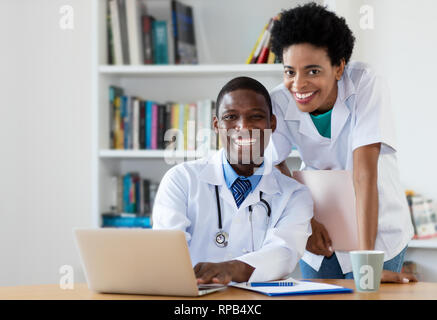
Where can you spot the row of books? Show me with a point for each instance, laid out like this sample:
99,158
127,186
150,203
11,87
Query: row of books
132,194
136,37
139,124
423,216
261,52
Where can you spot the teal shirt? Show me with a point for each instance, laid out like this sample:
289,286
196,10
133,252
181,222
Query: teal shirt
323,123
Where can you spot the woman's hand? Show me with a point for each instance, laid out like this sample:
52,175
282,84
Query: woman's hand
319,242
397,277
222,272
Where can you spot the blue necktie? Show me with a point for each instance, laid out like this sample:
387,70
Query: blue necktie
240,189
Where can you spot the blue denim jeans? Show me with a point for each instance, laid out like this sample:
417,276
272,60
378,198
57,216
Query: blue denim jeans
330,268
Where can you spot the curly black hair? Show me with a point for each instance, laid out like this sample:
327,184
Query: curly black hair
314,24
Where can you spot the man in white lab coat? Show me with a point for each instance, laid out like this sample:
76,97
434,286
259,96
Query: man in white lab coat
243,219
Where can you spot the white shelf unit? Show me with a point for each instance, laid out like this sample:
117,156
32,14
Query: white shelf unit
225,35
423,244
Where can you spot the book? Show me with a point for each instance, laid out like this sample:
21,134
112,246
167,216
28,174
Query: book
116,32
149,107
146,207
263,56
114,115
154,134
185,50
110,220
134,11
181,125
126,192
261,43
161,125
160,44
142,133
203,127
147,39
125,119
257,43
136,124
271,58
123,30
168,131
185,122
423,212
191,127
109,36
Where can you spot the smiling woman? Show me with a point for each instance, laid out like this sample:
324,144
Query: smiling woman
336,112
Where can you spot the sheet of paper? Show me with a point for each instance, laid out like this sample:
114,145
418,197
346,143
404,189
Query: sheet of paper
334,204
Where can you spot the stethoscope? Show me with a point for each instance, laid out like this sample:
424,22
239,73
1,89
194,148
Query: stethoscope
221,237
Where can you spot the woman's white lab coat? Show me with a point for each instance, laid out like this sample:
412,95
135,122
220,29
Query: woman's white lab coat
361,116
186,200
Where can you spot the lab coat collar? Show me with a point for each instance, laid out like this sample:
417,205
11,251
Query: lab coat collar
212,173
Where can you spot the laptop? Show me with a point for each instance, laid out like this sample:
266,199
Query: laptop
139,261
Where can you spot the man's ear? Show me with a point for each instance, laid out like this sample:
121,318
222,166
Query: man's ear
273,123
215,124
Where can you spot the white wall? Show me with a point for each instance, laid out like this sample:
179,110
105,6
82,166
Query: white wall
403,48
45,163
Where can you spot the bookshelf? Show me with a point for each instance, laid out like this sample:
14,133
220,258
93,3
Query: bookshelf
423,244
224,40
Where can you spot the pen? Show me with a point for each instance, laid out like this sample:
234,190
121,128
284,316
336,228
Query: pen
272,284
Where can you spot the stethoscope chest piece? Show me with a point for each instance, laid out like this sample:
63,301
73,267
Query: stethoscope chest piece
221,239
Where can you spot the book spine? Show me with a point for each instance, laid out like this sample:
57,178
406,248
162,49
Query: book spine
272,57
161,125
111,221
249,59
149,105
133,17
154,142
186,40
147,39
125,122
146,197
186,117
130,123
142,138
177,58
119,194
168,122
181,139
265,49
262,43
136,193
126,189
115,26
123,30
159,28
111,117
136,124
109,36
191,128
